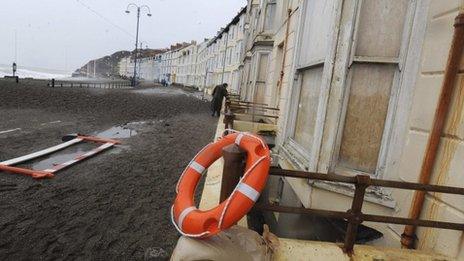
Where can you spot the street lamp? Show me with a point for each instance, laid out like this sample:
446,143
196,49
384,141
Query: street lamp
140,60
139,10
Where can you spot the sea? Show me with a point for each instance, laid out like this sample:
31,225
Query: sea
34,72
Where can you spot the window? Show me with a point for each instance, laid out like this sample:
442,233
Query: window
269,16
229,59
238,51
309,86
232,33
372,77
261,76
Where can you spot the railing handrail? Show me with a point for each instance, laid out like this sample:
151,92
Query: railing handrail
372,182
90,84
354,215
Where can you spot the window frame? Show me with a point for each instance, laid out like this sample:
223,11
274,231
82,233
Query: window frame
301,157
255,71
388,131
265,8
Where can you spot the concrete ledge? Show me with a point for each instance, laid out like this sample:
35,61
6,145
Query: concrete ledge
253,126
291,249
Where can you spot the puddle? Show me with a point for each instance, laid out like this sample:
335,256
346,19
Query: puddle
136,123
166,91
117,132
50,123
59,157
171,91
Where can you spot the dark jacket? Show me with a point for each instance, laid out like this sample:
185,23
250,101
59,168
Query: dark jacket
219,93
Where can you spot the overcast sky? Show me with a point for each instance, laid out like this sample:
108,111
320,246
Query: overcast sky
65,34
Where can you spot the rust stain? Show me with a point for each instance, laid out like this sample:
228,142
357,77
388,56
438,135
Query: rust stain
455,120
450,144
448,151
428,239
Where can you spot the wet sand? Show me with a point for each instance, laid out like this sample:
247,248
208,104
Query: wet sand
114,206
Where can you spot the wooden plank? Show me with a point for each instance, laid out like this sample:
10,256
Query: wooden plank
79,158
41,153
8,131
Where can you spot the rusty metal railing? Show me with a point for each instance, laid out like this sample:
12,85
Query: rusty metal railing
354,215
234,105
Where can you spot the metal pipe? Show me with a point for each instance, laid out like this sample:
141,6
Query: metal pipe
225,57
373,182
284,58
362,217
139,9
261,115
136,47
354,220
247,106
303,211
441,114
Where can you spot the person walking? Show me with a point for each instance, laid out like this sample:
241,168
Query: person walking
219,92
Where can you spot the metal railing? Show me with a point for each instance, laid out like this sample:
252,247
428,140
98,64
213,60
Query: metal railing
234,105
354,215
90,84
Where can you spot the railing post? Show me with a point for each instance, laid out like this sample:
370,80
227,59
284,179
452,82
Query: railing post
229,120
362,182
234,167
227,105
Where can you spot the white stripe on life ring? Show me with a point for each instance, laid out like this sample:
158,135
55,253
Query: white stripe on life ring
248,191
184,214
197,167
239,139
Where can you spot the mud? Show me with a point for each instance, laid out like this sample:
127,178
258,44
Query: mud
114,206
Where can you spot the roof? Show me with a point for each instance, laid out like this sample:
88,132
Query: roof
234,21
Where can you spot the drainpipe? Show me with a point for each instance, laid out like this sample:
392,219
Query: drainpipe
284,59
408,238
225,57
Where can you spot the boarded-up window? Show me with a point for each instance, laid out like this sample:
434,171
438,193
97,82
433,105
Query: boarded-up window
269,18
380,27
318,18
260,84
307,107
365,117
375,66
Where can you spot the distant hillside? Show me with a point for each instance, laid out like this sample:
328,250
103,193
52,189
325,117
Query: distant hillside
107,66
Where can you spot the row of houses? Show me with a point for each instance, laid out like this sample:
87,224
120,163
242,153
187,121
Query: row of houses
201,65
355,85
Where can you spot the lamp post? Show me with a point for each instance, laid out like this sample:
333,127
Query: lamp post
139,10
140,60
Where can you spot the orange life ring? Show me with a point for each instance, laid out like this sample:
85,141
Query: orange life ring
190,221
